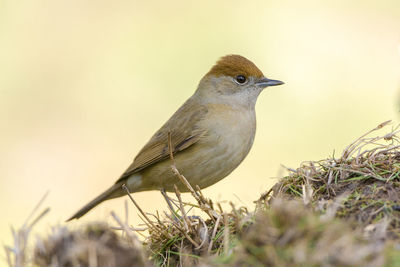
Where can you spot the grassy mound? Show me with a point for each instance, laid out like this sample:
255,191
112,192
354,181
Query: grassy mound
335,212
289,234
363,183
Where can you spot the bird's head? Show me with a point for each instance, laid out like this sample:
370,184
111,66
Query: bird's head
234,78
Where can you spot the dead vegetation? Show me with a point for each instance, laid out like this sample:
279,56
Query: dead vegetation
18,254
341,211
364,182
289,234
94,245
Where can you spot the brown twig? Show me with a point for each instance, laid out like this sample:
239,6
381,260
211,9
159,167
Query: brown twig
144,214
264,196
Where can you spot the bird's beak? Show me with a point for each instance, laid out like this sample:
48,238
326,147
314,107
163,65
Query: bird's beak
268,82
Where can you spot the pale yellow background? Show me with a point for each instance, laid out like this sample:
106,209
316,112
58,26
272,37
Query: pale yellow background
84,84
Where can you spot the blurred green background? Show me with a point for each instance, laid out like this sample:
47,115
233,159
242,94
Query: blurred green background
84,84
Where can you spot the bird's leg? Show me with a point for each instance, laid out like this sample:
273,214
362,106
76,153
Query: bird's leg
171,208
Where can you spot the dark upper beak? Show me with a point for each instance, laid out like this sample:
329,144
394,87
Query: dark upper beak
268,82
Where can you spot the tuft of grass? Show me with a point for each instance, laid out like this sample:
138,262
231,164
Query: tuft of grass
363,184
178,239
19,254
93,245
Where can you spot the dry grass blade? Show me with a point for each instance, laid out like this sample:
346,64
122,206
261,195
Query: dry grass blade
36,208
213,234
349,150
127,230
226,234
17,255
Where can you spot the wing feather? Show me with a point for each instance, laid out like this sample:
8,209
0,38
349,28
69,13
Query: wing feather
184,130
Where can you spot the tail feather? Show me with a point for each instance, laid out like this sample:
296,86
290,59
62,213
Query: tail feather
113,192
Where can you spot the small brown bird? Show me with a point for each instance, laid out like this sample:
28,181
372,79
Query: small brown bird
210,134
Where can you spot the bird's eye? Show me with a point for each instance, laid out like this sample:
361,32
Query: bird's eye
240,79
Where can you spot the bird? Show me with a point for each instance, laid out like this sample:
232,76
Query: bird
208,136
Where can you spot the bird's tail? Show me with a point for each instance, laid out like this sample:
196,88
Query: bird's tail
113,192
